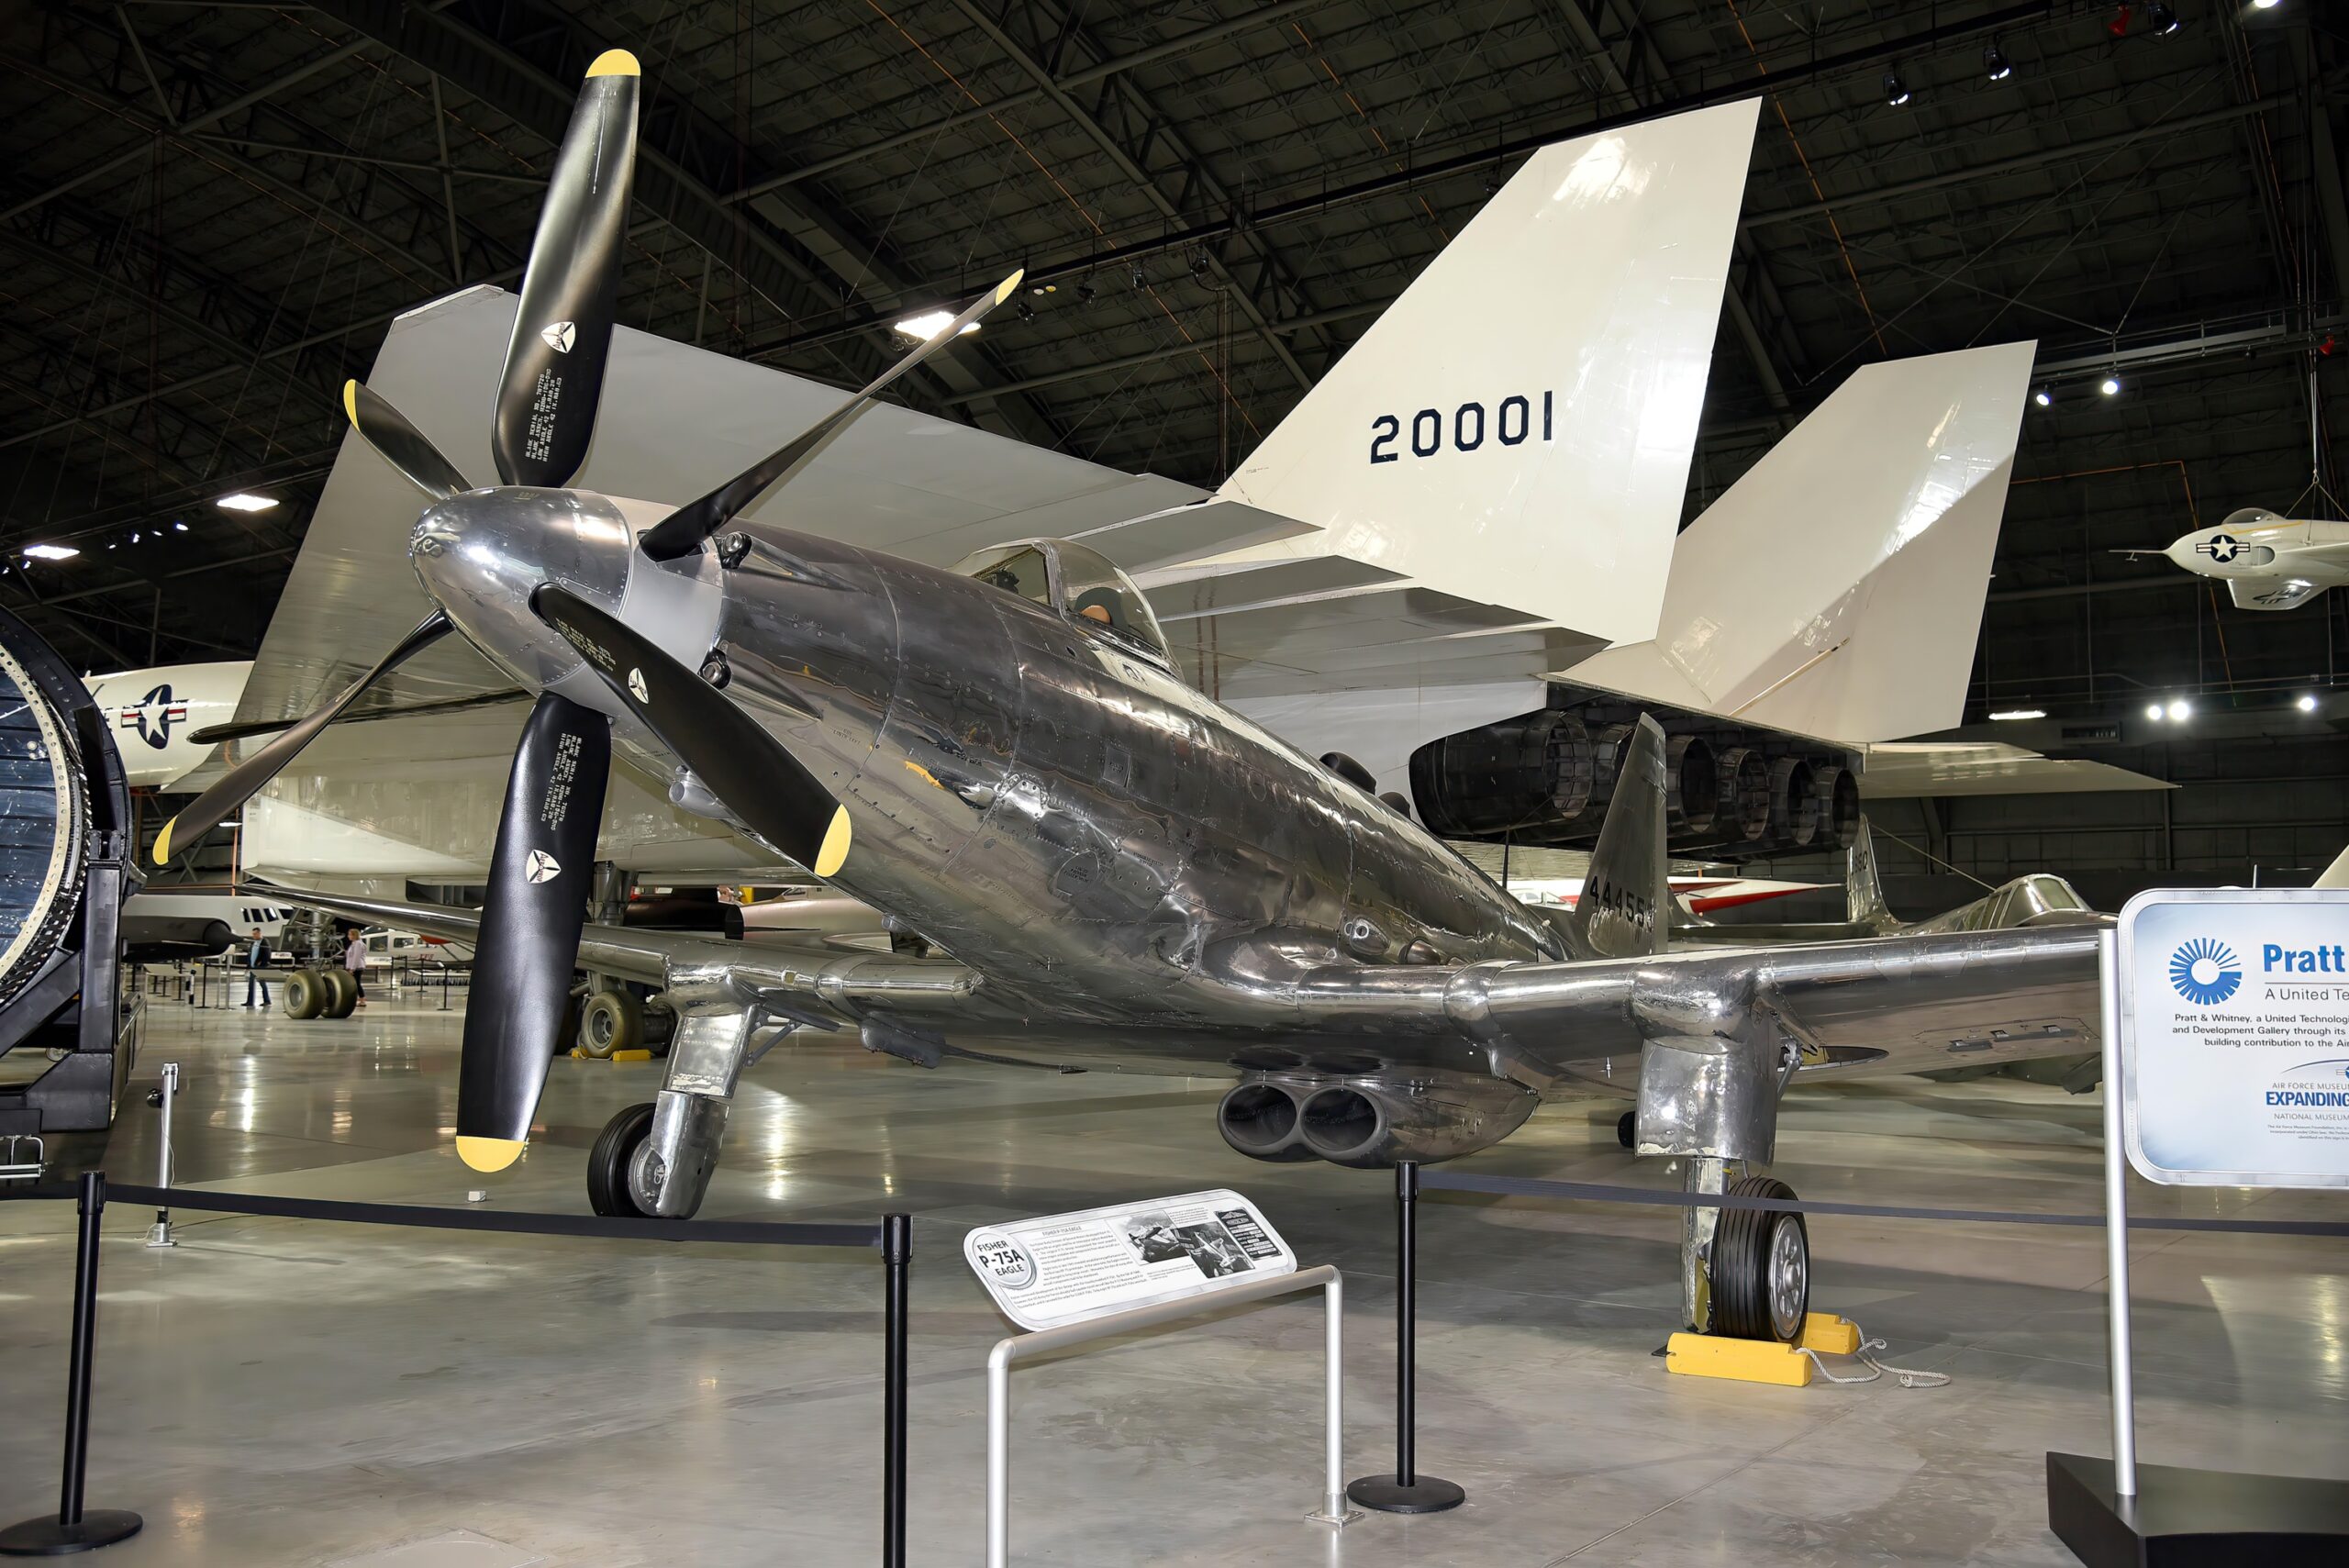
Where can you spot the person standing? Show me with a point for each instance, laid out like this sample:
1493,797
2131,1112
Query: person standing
354,959
256,966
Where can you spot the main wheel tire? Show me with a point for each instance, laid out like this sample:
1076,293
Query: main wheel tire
611,1020
342,992
305,994
1627,1128
1761,1267
608,1161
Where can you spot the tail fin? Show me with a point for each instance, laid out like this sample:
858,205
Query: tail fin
2336,874
1866,538
1623,910
1517,428
1864,902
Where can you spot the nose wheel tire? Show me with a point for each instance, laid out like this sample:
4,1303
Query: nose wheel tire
1761,1267
1627,1128
609,1161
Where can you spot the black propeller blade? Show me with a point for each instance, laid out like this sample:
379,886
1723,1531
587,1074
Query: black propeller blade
530,920
400,443
237,785
682,530
740,763
563,323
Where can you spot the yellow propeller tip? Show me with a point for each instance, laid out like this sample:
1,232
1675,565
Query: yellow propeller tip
489,1154
615,62
163,843
1003,290
833,852
350,402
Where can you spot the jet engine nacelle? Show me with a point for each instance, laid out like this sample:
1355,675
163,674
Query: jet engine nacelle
1732,790
1370,1124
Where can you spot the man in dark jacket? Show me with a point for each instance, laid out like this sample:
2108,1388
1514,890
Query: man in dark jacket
256,966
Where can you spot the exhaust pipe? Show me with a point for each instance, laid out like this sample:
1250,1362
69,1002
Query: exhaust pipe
1343,1125
1261,1120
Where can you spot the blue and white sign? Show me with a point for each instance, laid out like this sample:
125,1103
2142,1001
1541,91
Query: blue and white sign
2234,1036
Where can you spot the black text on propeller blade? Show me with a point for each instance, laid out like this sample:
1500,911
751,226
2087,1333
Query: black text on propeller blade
530,920
562,322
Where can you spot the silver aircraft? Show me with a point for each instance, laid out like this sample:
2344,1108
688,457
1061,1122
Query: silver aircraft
1108,867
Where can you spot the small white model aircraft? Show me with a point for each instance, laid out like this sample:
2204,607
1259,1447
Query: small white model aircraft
2267,561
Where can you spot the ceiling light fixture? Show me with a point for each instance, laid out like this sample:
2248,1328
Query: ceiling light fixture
2306,703
2043,397
1994,63
2109,386
2154,711
930,324
2020,713
51,552
2180,711
2265,5
1896,91
2162,19
245,501
179,528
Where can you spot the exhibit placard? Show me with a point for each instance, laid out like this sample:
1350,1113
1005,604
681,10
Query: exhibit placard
1068,1268
2234,1036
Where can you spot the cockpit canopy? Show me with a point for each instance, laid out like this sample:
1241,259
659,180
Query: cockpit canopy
1080,585
2251,517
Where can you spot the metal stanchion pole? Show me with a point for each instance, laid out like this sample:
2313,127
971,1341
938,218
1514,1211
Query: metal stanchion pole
2121,1365
74,1529
896,1255
1406,1491
160,1233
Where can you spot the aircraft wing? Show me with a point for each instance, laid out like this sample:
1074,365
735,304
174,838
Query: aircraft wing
1902,1003
815,983
2272,593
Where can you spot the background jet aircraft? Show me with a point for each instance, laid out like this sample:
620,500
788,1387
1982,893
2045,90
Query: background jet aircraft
2269,562
1119,869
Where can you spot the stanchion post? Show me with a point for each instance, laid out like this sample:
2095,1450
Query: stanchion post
1406,1491
896,1256
160,1233
74,1529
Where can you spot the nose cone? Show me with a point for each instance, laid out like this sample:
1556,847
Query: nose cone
481,554
2181,551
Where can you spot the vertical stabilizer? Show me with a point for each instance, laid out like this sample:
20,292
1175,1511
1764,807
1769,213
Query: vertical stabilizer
1864,904
1516,429
1623,910
2336,874
1836,589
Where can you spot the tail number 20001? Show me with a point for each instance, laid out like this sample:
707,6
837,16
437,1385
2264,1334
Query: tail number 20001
1510,423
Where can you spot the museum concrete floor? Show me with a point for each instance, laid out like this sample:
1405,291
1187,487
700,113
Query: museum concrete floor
281,1392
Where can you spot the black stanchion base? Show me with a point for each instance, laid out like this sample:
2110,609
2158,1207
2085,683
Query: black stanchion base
47,1537
1387,1495
2195,1518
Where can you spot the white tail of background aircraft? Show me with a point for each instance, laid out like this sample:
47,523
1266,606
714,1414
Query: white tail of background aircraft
1836,589
1516,429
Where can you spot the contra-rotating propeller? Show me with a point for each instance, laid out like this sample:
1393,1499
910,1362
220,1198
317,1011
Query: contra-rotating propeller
544,418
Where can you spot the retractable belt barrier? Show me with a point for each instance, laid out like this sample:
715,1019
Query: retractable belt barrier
1598,1192
75,1529
1406,1491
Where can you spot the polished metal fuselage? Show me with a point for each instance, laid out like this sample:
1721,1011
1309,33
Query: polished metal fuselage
1136,872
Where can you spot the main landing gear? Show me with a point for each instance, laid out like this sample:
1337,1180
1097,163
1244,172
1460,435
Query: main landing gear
620,1149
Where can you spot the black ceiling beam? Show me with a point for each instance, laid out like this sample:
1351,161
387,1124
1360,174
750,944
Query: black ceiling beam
1480,159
